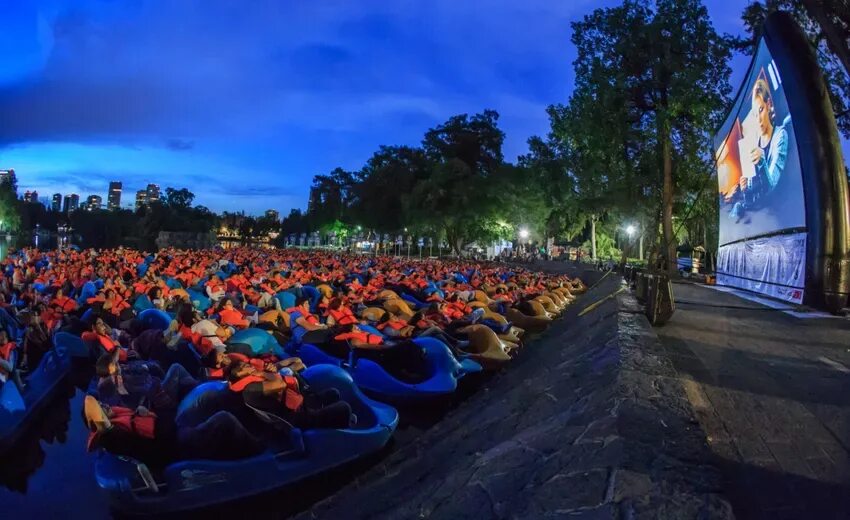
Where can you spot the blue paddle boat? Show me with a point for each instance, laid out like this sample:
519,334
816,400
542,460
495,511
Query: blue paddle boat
292,455
440,375
17,409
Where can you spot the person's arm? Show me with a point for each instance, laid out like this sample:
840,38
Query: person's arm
773,169
273,385
309,326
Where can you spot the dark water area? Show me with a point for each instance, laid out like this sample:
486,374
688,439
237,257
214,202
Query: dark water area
49,474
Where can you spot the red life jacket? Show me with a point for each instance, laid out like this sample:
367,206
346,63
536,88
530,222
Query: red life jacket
371,339
6,350
304,314
127,420
240,385
393,324
105,342
292,397
343,316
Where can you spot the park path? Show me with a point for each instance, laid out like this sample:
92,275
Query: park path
772,393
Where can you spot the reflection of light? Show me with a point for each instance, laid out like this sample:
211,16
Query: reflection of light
523,233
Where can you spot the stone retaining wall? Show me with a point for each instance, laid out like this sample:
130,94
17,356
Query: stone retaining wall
590,421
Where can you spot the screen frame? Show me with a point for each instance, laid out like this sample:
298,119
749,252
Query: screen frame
825,190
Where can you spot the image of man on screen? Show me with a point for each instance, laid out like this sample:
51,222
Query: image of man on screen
768,156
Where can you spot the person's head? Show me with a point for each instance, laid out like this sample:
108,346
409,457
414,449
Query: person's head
106,365
4,338
335,304
99,326
186,314
303,302
237,370
216,359
59,293
109,294
763,106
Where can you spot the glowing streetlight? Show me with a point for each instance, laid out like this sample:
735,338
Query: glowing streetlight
523,233
630,229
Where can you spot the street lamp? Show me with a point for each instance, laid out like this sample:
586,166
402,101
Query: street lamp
523,233
630,229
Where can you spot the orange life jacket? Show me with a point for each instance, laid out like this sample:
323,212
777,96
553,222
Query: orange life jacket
393,324
292,397
6,350
129,421
364,337
343,316
304,314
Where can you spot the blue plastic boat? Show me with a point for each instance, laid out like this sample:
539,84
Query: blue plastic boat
74,345
193,484
441,376
155,319
18,409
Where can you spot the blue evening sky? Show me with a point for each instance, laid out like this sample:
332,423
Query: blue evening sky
243,102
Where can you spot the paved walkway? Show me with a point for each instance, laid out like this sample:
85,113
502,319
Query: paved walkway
772,393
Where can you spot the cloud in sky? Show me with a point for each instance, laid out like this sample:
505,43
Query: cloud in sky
253,98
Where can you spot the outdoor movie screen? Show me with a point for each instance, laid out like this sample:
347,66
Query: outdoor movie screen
762,234
758,168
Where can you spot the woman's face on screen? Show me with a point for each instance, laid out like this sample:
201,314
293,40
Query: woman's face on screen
763,110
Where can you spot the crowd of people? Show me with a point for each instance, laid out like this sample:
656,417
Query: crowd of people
348,305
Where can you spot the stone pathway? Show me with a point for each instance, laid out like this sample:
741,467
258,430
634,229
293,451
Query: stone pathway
772,393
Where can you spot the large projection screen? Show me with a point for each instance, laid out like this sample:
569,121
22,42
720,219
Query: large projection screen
762,231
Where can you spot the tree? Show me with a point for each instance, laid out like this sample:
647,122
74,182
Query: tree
545,165
826,23
464,194
389,176
179,199
651,83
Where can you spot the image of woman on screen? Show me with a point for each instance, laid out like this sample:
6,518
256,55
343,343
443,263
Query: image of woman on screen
768,156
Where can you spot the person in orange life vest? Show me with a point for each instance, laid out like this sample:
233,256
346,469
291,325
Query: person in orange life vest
156,297
141,382
62,304
424,326
217,362
36,337
339,314
207,334
147,436
100,336
232,317
305,327
404,359
215,288
285,397
8,370
395,327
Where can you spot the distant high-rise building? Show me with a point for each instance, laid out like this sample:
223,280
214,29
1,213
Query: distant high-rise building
113,199
70,203
57,202
8,176
31,196
141,199
93,202
152,193
272,214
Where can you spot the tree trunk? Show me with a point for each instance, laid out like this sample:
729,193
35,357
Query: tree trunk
667,196
640,248
835,40
593,237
